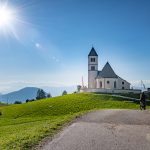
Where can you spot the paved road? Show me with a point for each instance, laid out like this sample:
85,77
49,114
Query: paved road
105,130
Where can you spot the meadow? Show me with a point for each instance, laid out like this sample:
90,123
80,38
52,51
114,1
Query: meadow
22,126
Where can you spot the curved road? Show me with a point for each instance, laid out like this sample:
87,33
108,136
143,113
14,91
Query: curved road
105,130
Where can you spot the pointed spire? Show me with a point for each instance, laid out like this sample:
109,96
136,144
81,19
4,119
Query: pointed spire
92,52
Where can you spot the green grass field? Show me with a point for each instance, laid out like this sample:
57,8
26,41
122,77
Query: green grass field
22,126
2,104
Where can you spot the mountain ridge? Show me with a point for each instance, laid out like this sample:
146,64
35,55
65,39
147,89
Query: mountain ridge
31,92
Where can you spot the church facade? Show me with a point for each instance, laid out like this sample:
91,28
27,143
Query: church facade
104,79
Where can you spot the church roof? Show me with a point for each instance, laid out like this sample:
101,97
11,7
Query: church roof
92,52
107,72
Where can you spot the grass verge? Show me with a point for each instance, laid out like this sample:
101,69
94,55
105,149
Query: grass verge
23,126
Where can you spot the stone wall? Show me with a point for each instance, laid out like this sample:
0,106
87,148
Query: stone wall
110,91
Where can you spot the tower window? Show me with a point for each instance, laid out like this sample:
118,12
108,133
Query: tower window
108,82
123,83
92,67
92,59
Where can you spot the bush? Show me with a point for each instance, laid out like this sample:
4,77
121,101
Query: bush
79,88
27,100
30,100
17,102
49,95
0,113
64,93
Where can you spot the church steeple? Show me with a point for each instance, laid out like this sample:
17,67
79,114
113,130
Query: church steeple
92,52
92,68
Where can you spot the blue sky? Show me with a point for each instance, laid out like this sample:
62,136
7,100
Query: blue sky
50,43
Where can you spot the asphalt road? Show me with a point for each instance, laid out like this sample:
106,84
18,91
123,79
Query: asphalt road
105,130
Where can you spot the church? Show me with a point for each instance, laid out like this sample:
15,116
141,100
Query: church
104,79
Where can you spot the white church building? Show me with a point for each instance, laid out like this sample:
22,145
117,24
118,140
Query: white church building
106,80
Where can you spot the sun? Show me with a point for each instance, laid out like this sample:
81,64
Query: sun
10,20
13,21
6,16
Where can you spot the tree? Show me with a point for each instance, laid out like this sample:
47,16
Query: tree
49,95
64,92
27,100
43,94
78,88
17,102
40,94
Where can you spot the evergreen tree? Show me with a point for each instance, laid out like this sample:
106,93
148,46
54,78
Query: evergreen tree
40,94
64,92
43,94
49,95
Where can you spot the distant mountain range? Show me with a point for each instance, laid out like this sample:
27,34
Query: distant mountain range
20,95
31,92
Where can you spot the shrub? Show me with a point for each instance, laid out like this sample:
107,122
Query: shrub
79,88
27,100
30,100
49,95
17,102
64,93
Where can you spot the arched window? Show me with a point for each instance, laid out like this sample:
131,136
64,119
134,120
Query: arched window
115,85
101,84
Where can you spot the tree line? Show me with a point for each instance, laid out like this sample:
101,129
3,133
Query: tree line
41,94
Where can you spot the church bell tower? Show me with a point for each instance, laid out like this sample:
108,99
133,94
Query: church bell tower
92,68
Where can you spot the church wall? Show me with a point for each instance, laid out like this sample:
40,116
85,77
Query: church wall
91,79
107,83
122,84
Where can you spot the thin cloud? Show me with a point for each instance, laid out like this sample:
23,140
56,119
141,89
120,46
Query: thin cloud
10,86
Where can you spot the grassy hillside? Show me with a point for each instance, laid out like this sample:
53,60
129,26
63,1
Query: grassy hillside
2,104
24,125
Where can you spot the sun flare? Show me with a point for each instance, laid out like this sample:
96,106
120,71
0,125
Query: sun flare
11,20
6,16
